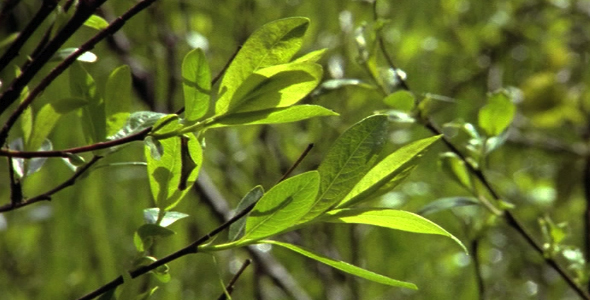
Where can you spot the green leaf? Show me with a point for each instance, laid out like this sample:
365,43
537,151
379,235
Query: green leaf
388,218
196,85
401,100
282,206
334,84
147,294
62,54
237,228
388,172
117,99
349,159
108,295
150,216
497,114
137,122
276,86
36,163
274,116
162,273
169,177
344,266
455,167
275,43
96,22
146,233
82,86
313,56
447,203
47,118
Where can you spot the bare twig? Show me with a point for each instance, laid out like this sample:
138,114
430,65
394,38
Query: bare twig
47,195
47,7
230,286
190,249
82,13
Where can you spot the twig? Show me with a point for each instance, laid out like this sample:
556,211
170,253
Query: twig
510,219
46,8
230,286
297,162
190,249
474,249
82,13
586,184
47,195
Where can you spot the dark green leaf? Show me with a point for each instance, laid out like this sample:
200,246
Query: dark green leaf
117,99
273,44
82,86
388,218
237,228
137,122
274,116
347,161
196,85
390,171
282,206
447,203
344,266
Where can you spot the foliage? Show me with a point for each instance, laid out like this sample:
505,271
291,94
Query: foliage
160,109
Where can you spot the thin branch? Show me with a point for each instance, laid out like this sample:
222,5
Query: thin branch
297,162
190,249
46,8
66,153
509,217
230,286
47,195
82,13
474,249
586,184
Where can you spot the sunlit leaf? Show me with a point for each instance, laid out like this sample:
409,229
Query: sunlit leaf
390,171
388,218
344,266
150,215
313,56
117,99
137,122
497,114
96,22
274,116
276,86
273,44
62,54
282,206
456,169
196,85
351,156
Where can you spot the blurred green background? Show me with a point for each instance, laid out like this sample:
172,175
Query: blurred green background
457,49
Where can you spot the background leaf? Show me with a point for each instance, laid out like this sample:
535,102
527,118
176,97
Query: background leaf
237,228
82,86
117,99
497,114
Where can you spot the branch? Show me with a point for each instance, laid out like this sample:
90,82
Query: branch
190,249
230,286
47,195
82,13
509,218
46,8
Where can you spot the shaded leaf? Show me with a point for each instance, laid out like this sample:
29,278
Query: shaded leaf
313,56
348,160
48,116
137,122
36,163
165,174
344,266
401,100
237,228
447,203
497,114
390,171
282,206
275,43
456,169
274,116
388,218
117,99
196,85
146,233
82,86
